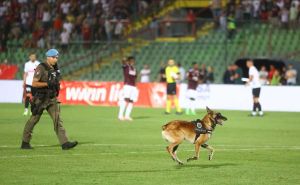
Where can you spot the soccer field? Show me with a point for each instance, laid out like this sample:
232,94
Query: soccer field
248,150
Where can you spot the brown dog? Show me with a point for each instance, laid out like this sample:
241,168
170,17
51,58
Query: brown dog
197,132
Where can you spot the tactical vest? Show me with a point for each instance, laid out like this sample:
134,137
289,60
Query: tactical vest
53,74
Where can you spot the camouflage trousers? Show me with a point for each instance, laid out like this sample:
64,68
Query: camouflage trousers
53,109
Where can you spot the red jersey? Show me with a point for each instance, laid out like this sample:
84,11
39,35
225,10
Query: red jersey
193,78
130,74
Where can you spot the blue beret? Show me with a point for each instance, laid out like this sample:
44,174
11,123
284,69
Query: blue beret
52,53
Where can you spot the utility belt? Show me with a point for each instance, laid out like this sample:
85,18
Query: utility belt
39,102
45,93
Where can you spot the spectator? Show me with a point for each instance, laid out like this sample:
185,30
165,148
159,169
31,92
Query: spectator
263,76
118,29
284,18
210,75
256,7
64,40
237,74
162,73
276,78
86,33
182,73
145,74
108,29
57,24
65,7
231,26
227,75
191,20
271,72
291,75
216,8
293,15
46,18
203,74
223,21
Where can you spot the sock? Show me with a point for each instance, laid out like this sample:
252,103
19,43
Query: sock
128,110
168,106
193,106
27,102
254,107
122,108
259,106
178,109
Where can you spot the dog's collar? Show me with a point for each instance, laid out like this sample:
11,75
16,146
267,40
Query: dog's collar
214,123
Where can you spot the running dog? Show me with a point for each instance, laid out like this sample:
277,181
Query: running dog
197,132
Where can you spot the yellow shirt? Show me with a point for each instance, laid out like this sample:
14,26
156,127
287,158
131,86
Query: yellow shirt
171,72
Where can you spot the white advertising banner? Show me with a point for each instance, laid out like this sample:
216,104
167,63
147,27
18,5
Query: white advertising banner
228,97
11,91
239,97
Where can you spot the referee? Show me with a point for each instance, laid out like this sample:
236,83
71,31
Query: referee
172,74
254,82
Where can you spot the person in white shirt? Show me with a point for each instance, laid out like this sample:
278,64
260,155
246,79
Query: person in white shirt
145,74
254,82
64,39
291,75
182,73
263,75
29,69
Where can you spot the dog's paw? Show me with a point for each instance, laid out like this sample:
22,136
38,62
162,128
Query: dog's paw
210,156
192,159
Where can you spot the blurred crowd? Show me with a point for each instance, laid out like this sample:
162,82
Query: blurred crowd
268,75
38,23
279,13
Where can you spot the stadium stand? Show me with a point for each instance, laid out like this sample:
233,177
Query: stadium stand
97,57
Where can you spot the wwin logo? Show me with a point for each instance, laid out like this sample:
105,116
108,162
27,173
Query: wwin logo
85,93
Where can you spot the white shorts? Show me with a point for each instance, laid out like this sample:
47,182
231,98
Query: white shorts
191,93
130,92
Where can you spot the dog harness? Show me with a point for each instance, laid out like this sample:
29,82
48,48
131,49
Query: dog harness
200,129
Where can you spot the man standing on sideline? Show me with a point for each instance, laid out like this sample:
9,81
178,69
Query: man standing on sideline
172,74
193,80
29,68
130,92
46,81
254,82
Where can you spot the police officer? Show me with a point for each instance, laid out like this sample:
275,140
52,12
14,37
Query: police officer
46,82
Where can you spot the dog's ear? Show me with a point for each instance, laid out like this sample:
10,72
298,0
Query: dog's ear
208,110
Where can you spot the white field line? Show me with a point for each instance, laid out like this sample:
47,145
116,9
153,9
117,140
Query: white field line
138,152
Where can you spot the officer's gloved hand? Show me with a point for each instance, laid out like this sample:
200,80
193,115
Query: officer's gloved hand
52,84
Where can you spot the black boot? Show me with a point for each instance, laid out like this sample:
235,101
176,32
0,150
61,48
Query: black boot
26,145
69,145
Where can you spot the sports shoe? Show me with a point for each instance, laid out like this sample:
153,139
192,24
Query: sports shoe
167,113
128,118
69,145
261,113
26,145
178,113
193,113
121,118
187,112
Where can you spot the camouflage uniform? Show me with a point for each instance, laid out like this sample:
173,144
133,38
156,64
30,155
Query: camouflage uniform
44,99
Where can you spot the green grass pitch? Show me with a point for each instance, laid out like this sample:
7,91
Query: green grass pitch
248,150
